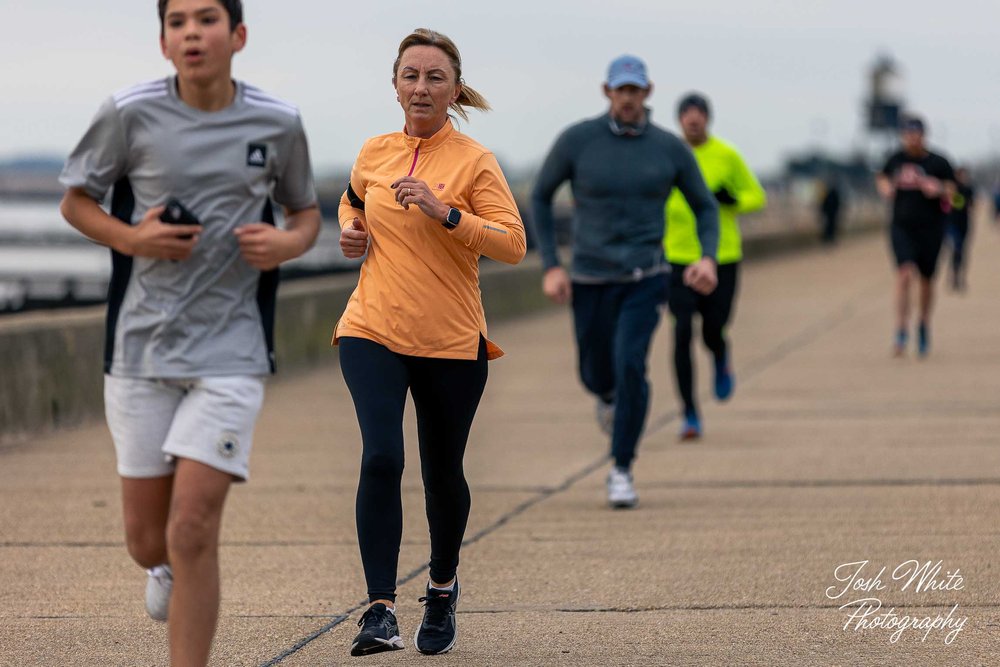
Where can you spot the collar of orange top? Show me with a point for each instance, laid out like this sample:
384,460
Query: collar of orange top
429,144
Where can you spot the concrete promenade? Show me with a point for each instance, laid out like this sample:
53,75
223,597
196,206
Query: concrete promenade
831,452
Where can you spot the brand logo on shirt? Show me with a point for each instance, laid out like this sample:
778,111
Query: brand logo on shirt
439,187
256,155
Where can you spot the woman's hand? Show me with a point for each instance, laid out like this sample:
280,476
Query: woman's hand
354,240
410,190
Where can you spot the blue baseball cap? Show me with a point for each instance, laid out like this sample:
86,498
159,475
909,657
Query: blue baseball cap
627,71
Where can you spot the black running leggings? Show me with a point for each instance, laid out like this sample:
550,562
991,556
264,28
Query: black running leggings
715,310
446,393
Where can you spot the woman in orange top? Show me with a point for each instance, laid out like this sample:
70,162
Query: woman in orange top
425,204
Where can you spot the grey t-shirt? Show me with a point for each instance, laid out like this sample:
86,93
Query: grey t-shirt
201,316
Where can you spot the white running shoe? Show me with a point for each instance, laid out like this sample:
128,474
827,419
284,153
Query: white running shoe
158,587
606,416
621,492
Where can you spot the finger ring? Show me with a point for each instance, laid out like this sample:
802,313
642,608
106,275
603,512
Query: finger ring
407,192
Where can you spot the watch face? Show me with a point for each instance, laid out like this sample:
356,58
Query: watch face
454,217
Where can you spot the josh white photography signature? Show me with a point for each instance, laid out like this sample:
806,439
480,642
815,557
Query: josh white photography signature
866,613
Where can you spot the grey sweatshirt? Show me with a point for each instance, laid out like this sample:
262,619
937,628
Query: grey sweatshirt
620,184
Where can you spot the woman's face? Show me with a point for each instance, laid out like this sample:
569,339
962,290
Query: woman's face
425,85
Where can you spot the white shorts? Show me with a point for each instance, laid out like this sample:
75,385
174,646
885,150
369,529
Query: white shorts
153,422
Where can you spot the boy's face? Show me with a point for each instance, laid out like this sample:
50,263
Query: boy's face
197,39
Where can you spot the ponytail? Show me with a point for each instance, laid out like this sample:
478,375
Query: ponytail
469,98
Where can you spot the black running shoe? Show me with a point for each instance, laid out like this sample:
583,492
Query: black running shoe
379,632
438,631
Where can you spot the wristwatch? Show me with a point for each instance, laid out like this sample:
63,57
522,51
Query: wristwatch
454,217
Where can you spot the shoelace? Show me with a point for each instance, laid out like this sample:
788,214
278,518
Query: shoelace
369,616
438,609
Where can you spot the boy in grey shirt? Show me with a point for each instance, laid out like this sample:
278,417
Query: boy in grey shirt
190,313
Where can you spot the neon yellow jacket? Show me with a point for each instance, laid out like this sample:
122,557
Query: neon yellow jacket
722,167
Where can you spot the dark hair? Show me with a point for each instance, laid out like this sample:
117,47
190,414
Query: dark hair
233,7
694,101
469,97
913,123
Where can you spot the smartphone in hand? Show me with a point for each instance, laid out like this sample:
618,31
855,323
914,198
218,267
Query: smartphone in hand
175,213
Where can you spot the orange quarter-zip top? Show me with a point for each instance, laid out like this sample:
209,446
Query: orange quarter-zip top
418,290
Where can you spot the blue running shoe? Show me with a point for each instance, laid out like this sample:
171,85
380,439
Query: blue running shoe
724,380
691,428
899,347
923,340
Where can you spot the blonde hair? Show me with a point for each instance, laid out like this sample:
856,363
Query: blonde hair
468,97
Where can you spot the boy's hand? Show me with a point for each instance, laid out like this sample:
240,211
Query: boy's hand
354,240
265,246
158,240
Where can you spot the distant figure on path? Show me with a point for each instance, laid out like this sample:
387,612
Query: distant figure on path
959,228
737,191
829,210
921,185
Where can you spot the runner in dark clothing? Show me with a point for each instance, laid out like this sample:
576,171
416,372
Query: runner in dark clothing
829,210
921,185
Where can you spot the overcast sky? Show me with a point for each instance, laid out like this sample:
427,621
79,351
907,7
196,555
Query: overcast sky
783,75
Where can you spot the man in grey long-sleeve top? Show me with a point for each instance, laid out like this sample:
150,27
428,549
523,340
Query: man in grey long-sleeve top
621,170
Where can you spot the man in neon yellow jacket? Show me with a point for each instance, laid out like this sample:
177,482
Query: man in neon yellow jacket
737,191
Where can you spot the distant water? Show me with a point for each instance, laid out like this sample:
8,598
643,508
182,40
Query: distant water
30,219
45,262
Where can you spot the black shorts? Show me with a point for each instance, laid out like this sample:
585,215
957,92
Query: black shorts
919,245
